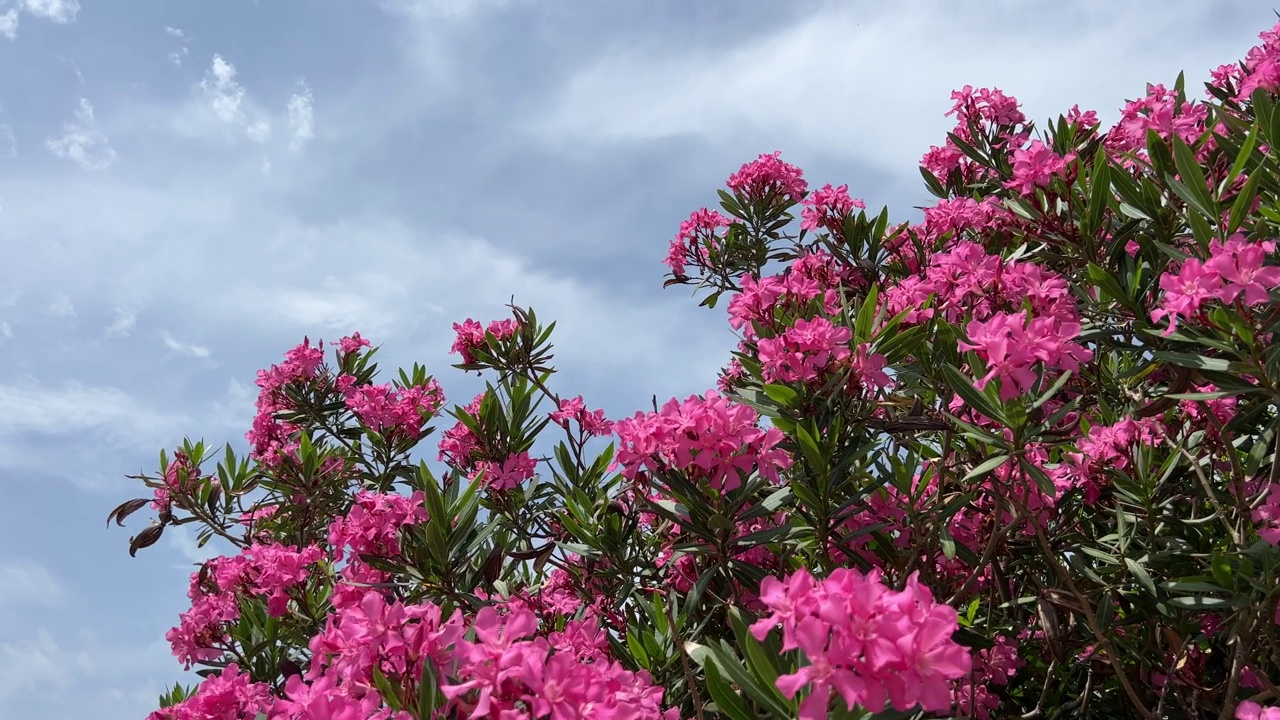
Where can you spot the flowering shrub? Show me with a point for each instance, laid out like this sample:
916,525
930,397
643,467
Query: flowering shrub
1017,459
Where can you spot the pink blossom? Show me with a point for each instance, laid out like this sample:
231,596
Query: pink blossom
769,174
827,208
353,343
864,641
804,351
1035,166
593,422
510,473
693,243
707,438
1250,710
1267,516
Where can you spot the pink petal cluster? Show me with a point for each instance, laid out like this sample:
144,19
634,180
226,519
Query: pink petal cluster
697,236
385,408
1014,348
1267,516
180,476
1035,166
967,282
365,631
270,439
808,285
863,641
1105,447
769,174
1234,270
372,525
352,343
215,591
1250,710
472,336
1158,111
827,208
992,666
991,113
229,694
592,422
1261,65
708,438
508,474
504,673
804,351
459,445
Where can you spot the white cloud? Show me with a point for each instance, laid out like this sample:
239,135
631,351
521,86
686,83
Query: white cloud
82,142
173,343
28,583
124,319
34,665
8,143
226,100
301,118
59,11
873,81
177,56
9,24
6,329
72,408
61,307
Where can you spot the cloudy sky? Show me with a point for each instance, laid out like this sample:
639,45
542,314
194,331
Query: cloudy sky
187,189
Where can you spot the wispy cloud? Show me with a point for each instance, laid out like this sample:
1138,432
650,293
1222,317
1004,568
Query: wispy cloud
61,307
301,118
192,350
25,582
9,24
59,11
226,99
82,142
123,320
872,82
177,56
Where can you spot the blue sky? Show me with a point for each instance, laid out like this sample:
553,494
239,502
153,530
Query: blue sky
186,190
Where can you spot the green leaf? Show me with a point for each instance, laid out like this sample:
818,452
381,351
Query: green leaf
865,321
1140,574
781,394
1244,201
1193,179
1242,157
972,396
725,698
1200,362
987,466
1099,192
1199,602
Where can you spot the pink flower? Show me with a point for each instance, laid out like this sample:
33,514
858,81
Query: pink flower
864,641
827,208
1267,516
1239,264
1250,710
804,351
593,422
348,345
693,243
1035,166
709,439
1185,292
510,473
769,174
